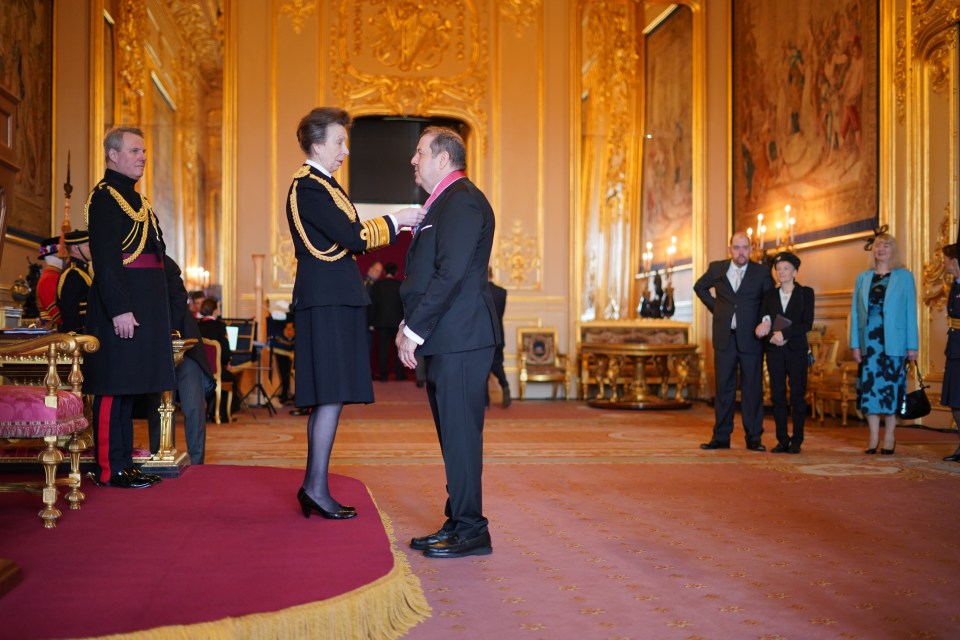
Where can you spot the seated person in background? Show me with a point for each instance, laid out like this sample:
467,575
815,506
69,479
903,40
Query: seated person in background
213,328
281,334
194,300
194,375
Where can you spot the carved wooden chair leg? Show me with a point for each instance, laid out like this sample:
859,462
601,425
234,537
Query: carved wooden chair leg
76,446
50,458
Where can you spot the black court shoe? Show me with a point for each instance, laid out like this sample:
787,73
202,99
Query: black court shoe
307,505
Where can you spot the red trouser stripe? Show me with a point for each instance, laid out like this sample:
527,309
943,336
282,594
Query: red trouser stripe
103,437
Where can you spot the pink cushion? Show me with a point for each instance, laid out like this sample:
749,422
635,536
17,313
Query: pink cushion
24,414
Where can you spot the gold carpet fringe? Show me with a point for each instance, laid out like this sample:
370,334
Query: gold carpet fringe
382,610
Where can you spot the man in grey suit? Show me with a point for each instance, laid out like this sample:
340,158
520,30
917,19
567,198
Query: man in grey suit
739,286
450,320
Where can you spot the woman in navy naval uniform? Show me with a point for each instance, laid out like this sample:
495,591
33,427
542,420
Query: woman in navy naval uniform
950,393
329,301
786,348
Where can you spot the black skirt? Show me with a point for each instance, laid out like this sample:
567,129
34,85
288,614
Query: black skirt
332,356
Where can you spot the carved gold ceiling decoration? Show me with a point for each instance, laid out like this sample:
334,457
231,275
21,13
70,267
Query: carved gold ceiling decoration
936,280
424,58
201,25
299,11
522,12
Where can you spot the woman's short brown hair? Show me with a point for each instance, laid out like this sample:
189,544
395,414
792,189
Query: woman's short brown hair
313,126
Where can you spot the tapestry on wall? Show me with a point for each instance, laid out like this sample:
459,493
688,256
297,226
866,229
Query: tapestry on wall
26,70
805,118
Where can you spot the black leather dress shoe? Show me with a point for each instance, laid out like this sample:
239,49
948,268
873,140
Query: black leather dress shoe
421,544
713,444
794,448
756,446
456,547
780,448
124,480
152,478
955,457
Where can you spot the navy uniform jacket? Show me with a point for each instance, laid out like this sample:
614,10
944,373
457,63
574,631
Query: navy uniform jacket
144,363
745,303
799,311
446,299
73,288
319,212
953,311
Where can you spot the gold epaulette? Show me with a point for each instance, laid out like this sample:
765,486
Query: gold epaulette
332,254
63,276
376,233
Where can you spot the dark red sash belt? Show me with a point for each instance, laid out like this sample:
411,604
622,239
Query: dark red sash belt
144,261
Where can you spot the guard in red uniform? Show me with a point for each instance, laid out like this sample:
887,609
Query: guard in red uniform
47,285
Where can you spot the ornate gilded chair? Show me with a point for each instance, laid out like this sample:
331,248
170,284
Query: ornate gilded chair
212,349
47,412
539,360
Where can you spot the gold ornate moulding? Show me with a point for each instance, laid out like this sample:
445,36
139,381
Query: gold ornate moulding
167,461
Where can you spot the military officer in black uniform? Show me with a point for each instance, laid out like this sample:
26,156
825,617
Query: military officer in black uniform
128,308
74,284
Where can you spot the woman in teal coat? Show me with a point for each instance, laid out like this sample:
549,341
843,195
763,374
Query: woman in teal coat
883,337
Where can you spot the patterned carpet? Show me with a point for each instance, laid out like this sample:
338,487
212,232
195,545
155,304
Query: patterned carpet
615,525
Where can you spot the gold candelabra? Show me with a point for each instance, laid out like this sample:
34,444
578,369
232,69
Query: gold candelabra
762,246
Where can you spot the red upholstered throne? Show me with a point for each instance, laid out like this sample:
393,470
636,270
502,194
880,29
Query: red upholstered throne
48,412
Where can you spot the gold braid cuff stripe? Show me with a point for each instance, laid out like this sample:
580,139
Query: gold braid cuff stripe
142,219
376,232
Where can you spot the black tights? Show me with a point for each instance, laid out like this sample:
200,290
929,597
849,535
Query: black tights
321,430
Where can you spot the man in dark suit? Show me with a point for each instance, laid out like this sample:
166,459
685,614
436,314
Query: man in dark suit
739,287
213,328
386,314
194,375
450,320
500,303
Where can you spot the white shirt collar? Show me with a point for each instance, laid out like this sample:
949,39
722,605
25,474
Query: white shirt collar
319,168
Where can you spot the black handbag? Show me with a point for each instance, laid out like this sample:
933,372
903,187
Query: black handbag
915,404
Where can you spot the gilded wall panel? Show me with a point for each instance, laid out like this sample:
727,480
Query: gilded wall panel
933,160
293,57
426,59
518,159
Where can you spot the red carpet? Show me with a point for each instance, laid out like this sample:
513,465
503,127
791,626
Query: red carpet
220,542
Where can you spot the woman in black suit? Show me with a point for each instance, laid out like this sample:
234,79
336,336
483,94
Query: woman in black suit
787,314
329,300
950,391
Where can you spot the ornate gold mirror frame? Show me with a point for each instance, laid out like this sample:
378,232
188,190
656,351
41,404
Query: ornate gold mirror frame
928,78
608,125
